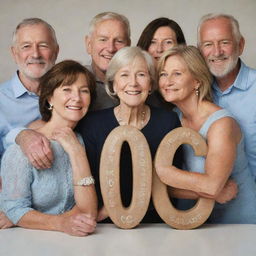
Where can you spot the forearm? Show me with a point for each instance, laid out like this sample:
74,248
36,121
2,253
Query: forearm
85,196
37,220
182,193
200,183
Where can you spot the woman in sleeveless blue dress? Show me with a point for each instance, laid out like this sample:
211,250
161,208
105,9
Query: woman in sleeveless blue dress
223,174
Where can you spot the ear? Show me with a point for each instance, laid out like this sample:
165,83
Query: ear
197,84
88,44
241,45
57,52
13,52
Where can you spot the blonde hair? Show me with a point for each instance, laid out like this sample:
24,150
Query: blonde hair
195,64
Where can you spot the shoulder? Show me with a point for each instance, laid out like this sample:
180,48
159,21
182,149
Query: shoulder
224,125
95,118
13,156
97,124
164,116
5,87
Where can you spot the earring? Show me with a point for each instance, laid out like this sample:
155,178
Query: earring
50,106
197,91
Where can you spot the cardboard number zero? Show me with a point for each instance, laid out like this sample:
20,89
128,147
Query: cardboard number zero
179,219
110,176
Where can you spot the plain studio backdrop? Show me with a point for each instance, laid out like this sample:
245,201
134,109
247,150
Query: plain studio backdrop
70,20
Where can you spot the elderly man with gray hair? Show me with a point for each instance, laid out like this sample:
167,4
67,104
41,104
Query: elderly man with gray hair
108,32
234,88
35,50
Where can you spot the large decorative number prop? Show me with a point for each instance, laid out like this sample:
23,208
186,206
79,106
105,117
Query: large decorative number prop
179,219
110,177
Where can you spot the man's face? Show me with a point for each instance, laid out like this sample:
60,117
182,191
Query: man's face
107,38
219,46
35,51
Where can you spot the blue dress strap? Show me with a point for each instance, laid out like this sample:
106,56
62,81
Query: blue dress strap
212,118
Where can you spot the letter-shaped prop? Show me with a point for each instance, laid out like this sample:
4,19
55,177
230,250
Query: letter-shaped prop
110,176
179,219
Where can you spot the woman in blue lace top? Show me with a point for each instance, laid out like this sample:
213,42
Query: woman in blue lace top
62,197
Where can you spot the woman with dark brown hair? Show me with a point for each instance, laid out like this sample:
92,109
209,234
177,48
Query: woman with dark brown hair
62,197
160,35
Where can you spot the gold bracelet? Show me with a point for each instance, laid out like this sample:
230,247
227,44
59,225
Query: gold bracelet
86,181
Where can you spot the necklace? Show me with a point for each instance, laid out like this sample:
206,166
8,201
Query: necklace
142,117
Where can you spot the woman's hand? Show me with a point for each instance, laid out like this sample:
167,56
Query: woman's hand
5,222
68,140
78,224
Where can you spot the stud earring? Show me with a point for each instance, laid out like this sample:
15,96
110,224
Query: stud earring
50,106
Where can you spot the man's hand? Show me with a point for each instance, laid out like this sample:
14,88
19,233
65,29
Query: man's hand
78,224
36,148
228,193
4,221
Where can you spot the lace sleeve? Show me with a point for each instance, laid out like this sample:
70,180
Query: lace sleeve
17,177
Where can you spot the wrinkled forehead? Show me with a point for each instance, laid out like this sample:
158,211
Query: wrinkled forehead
33,32
111,27
216,27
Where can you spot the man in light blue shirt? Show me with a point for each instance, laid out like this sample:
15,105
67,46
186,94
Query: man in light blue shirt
34,49
234,88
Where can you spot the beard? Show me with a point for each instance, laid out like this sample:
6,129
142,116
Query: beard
228,65
36,72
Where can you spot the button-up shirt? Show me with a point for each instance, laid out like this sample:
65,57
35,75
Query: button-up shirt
240,100
18,108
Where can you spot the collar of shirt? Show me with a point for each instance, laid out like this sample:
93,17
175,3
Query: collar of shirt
240,83
18,88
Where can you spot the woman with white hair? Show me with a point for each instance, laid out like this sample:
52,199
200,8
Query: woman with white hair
130,78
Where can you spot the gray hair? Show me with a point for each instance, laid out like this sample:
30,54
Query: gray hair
124,57
110,16
34,21
211,16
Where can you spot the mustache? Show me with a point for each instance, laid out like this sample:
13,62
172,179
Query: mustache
222,57
36,61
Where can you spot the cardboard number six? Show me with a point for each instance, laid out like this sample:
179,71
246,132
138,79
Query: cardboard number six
179,219
110,176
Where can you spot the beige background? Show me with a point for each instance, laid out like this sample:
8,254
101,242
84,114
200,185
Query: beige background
70,20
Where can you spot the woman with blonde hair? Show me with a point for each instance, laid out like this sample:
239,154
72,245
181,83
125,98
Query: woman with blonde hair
185,80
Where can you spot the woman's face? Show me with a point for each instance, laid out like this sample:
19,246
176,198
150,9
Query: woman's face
132,83
163,39
71,102
176,82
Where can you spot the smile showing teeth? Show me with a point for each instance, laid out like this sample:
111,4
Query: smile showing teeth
133,92
109,57
74,108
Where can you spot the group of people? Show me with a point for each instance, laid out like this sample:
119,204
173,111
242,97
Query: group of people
50,147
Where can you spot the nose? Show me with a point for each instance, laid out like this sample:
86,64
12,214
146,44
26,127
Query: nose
133,80
217,50
35,51
76,96
111,47
159,47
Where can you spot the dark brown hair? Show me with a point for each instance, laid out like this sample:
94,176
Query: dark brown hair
66,72
149,31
